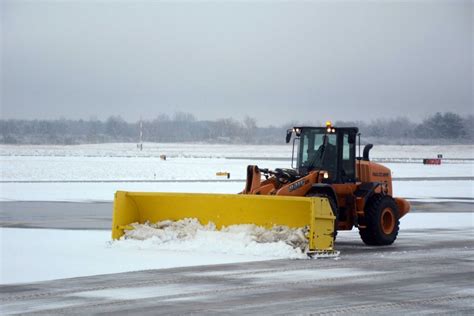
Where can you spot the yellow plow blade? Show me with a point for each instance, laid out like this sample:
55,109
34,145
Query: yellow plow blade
226,210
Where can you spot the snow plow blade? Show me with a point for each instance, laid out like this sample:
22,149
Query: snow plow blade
226,210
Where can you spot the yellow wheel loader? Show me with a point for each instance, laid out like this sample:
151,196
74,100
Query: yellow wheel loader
326,189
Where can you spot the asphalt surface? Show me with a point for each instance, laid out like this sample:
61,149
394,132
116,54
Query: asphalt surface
425,272
98,215
60,215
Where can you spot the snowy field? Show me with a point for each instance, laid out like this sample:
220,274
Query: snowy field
220,151
41,168
102,192
122,162
30,255
186,161
43,254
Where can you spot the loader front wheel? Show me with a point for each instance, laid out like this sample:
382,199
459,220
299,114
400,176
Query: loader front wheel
381,221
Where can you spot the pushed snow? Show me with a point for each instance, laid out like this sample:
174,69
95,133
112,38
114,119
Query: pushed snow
189,235
28,255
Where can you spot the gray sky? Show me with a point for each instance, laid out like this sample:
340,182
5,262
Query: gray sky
275,61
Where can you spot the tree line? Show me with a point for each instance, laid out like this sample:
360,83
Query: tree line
439,128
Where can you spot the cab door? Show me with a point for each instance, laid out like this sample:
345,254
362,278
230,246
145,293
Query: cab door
346,182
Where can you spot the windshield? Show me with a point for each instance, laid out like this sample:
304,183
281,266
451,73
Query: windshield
317,150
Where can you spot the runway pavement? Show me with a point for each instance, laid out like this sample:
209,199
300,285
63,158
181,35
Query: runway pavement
98,215
425,272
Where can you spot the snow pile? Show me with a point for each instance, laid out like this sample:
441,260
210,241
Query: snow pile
80,253
189,235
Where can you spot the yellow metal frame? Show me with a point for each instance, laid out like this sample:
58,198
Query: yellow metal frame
226,210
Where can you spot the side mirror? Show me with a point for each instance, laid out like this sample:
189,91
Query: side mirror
288,135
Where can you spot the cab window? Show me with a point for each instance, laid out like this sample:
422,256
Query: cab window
348,159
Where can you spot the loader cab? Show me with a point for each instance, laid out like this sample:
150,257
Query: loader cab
327,148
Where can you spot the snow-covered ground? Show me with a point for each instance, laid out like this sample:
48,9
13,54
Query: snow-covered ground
34,168
193,161
30,255
221,150
121,168
42,254
103,162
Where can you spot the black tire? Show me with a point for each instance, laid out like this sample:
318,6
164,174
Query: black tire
334,209
381,221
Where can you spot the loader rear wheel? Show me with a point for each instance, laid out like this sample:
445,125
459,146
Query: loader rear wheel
381,221
334,209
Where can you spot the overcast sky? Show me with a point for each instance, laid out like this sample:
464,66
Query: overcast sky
275,61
